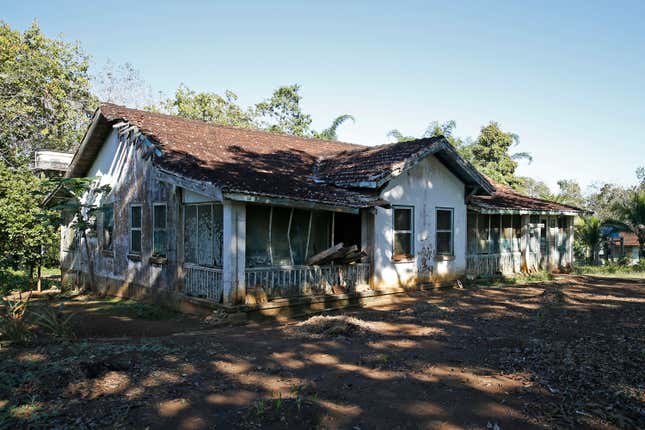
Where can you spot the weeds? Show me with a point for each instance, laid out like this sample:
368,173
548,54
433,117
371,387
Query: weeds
55,323
13,326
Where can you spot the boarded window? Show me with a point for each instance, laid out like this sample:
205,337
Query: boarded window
280,236
135,229
298,235
257,235
159,232
403,232
108,227
203,234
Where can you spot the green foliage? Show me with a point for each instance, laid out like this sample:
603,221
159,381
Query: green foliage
570,193
143,310
55,323
330,133
612,269
45,100
533,188
632,213
490,154
13,326
282,112
209,107
588,232
25,226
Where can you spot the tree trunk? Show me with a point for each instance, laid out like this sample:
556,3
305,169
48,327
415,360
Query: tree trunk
39,286
30,281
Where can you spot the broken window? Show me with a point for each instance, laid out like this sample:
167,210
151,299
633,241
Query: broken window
257,235
494,233
320,233
298,234
159,231
444,231
507,233
471,220
280,253
517,232
108,227
203,234
402,235
483,229
135,229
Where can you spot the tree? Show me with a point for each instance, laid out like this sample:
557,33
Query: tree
122,84
282,112
330,133
588,231
208,107
640,175
26,229
632,214
45,100
604,198
490,154
570,193
533,188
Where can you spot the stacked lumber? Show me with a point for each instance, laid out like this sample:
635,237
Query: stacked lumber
337,254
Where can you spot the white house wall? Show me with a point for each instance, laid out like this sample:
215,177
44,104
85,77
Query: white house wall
427,186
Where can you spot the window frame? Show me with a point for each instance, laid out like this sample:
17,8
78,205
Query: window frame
155,228
403,257
437,230
105,249
131,229
215,251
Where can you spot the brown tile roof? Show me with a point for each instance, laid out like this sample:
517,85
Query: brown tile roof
506,198
255,162
629,238
239,159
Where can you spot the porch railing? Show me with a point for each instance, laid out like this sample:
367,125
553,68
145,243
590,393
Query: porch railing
205,282
492,264
293,281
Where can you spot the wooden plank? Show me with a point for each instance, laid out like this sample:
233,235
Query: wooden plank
321,256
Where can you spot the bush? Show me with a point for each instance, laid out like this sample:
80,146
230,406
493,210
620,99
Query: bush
13,326
55,323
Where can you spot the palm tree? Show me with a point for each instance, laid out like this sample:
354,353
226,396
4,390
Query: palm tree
632,214
330,132
589,232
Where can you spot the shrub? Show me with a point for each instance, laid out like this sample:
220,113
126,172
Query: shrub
13,326
55,323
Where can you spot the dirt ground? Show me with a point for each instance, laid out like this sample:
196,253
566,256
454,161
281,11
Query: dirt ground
567,354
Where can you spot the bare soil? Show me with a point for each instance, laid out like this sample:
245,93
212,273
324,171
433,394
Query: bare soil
567,354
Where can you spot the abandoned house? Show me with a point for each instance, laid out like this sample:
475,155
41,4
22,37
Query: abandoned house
215,212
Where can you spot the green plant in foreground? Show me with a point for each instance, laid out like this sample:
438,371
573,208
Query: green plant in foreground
55,323
13,326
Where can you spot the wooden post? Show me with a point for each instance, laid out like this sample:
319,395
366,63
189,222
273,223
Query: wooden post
234,251
525,243
367,239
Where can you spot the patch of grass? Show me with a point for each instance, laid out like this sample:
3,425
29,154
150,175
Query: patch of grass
518,279
134,309
613,269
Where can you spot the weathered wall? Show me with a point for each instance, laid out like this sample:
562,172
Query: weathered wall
426,186
131,178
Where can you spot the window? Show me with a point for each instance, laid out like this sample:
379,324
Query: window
108,227
159,235
203,234
403,222
444,231
135,229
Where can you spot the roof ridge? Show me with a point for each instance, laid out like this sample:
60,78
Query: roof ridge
357,146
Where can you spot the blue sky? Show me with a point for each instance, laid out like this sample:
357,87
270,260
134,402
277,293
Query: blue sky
568,77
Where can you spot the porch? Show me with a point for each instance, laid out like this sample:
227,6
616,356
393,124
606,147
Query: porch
231,250
507,243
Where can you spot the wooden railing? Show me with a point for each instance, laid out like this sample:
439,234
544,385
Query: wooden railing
294,281
205,282
492,264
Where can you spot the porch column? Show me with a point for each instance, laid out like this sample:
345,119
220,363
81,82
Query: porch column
367,238
525,243
234,251
570,227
